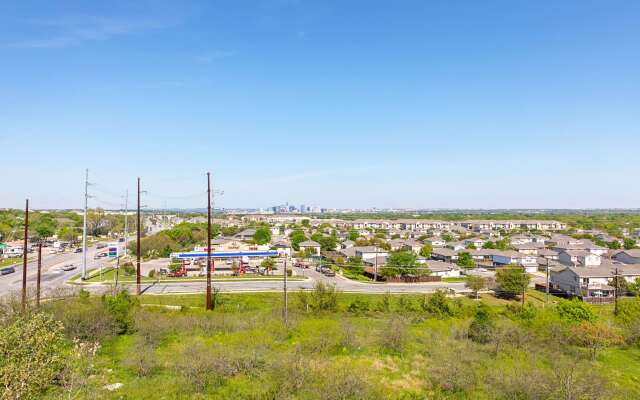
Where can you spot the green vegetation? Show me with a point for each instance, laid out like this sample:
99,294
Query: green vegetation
336,346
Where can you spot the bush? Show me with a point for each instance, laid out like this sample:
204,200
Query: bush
394,337
120,308
32,355
323,297
439,305
482,327
384,305
575,311
86,319
358,306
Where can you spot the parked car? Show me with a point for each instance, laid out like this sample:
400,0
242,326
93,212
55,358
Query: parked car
121,240
7,271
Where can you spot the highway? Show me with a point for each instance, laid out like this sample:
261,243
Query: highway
52,275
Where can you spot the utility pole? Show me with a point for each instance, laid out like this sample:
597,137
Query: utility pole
24,256
39,272
617,279
285,310
139,227
84,225
375,269
547,281
126,220
208,305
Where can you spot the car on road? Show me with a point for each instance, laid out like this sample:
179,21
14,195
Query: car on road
329,272
121,240
101,246
68,267
7,271
78,250
99,255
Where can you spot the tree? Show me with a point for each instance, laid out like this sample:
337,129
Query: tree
426,250
262,235
511,281
615,245
44,230
306,223
297,237
32,352
353,235
465,260
504,244
475,283
594,336
268,264
489,245
634,288
629,243
447,237
401,263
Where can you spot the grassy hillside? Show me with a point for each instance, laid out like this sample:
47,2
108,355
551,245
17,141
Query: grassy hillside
342,346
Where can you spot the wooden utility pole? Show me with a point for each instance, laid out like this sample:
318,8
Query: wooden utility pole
285,310
616,280
547,289
39,273
139,227
209,305
24,256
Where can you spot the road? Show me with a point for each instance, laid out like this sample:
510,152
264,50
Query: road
340,283
52,276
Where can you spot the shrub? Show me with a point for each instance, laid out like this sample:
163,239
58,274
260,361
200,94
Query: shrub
482,327
575,311
384,305
393,338
358,306
31,356
439,305
86,319
120,308
323,297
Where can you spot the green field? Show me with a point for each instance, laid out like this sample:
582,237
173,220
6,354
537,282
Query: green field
339,346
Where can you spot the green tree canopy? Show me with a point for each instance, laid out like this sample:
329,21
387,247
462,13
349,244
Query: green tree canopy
262,235
511,280
403,263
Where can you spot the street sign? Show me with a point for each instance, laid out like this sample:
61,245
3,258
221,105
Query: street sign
113,250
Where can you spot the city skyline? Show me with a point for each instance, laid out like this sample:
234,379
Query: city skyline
336,104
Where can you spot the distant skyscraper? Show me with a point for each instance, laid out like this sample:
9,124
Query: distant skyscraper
303,208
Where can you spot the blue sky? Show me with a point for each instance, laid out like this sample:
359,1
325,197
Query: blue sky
435,104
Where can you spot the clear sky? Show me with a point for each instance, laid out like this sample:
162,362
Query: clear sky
434,104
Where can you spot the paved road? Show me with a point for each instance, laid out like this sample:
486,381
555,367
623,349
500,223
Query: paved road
52,276
341,284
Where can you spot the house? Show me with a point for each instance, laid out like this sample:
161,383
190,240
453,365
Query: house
531,248
283,247
628,256
476,242
510,257
347,244
405,244
483,255
591,284
310,245
370,252
13,249
584,244
580,258
458,246
436,241
548,254
443,269
444,254
246,234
